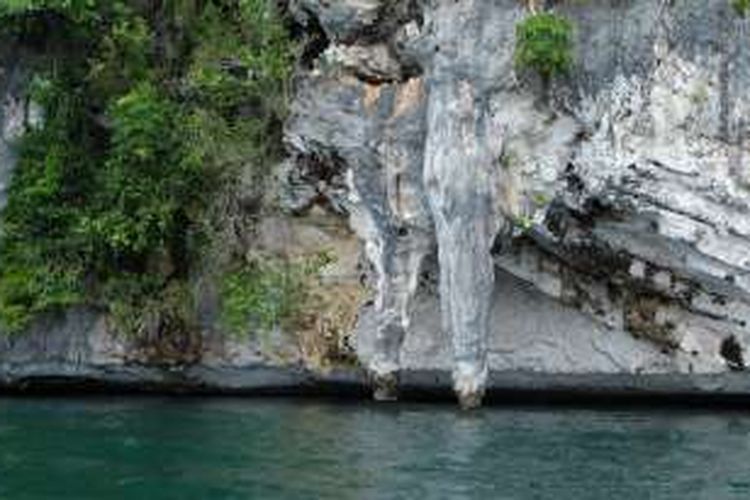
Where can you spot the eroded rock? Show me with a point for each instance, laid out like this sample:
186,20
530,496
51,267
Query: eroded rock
628,191
592,236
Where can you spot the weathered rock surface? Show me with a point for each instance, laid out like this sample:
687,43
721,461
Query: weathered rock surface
590,237
17,110
11,119
627,189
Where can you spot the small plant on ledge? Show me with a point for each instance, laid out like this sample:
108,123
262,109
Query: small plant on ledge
544,43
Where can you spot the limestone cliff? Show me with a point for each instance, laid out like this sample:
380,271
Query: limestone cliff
592,234
626,187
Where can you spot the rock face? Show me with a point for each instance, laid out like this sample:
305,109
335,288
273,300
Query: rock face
617,202
17,110
594,233
12,118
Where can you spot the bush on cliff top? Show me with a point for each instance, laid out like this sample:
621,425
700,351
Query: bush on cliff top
146,112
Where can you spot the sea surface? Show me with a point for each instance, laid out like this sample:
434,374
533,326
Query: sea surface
185,448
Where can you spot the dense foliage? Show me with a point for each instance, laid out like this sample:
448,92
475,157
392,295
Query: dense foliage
544,43
148,106
741,6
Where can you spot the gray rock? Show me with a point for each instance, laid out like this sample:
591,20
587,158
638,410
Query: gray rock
341,20
629,184
17,110
588,238
11,123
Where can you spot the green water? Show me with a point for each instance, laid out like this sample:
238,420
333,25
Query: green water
194,449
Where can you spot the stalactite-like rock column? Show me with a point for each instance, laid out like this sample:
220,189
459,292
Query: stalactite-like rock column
458,175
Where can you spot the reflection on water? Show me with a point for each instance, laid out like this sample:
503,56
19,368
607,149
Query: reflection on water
221,448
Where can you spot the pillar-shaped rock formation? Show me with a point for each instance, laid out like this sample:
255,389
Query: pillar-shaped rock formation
460,183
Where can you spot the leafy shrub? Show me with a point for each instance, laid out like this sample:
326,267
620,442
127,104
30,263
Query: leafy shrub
149,181
741,7
79,10
42,262
146,112
544,44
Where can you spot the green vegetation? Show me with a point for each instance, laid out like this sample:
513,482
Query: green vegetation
265,293
150,107
78,10
741,7
544,43
524,223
